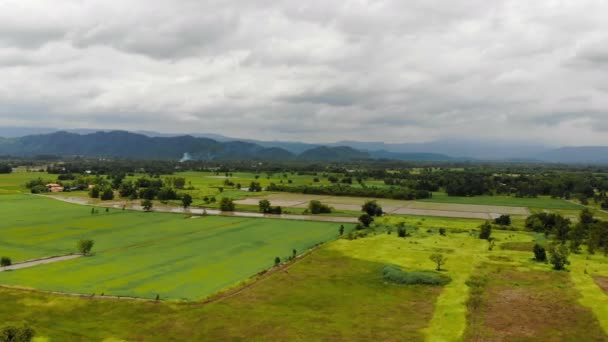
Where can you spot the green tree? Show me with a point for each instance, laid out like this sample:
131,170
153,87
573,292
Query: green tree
107,194
277,261
85,246
439,260
5,261
558,256
264,206
316,207
146,205
94,192
186,200
366,220
485,231
539,253
503,220
341,230
226,204
372,208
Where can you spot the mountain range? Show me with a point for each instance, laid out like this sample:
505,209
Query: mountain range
20,141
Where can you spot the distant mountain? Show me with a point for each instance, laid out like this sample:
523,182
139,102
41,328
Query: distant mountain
148,144
339,153
131,145
414,156
576,155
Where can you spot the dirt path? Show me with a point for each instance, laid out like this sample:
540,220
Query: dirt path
36,262
201,211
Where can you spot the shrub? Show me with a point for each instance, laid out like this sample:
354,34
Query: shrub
5,261
558,256
395,274
316,207
85,246
401,232
366,220
442,231
226,204
539,253
485,231
503,220
16,334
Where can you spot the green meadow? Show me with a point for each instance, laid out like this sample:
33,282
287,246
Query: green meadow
144,254
544,202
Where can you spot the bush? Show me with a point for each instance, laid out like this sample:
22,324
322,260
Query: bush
85,246
485,231
401,232
503,220
394,274
316,207
559,256
107,194
366,220
539,253
16,334
5,261
226,204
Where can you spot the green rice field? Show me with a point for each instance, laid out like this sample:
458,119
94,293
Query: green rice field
144,254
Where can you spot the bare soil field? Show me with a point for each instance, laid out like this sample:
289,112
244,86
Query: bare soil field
475,211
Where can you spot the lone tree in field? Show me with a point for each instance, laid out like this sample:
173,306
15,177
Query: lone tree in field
503,220
85,246
264,206
146,204
277,261
372,208
366,220
341,230
558,256
539,253
5,261
485,231
438,259
226,204
186,200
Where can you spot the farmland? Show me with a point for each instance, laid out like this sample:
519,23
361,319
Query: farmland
215,278
342,283
144,254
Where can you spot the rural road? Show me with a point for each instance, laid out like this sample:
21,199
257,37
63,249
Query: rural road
37,262
200,211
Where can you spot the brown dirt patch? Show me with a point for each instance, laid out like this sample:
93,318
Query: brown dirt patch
511,305
602,282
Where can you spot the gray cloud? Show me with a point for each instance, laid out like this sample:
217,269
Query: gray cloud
317,71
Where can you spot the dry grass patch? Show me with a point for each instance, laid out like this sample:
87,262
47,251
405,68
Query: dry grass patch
511,305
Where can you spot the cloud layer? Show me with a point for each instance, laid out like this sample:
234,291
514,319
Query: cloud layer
395,71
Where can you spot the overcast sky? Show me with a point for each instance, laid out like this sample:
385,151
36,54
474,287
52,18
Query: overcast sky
315,70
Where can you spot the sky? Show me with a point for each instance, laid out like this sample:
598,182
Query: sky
315,70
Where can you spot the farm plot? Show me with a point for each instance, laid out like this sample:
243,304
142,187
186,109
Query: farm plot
418,208
512,304
144,254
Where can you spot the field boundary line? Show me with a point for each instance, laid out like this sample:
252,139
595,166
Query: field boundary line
257,279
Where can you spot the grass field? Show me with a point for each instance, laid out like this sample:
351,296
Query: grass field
544,202
144,254
326,296
338,289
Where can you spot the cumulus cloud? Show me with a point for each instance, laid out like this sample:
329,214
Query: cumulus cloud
390,70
